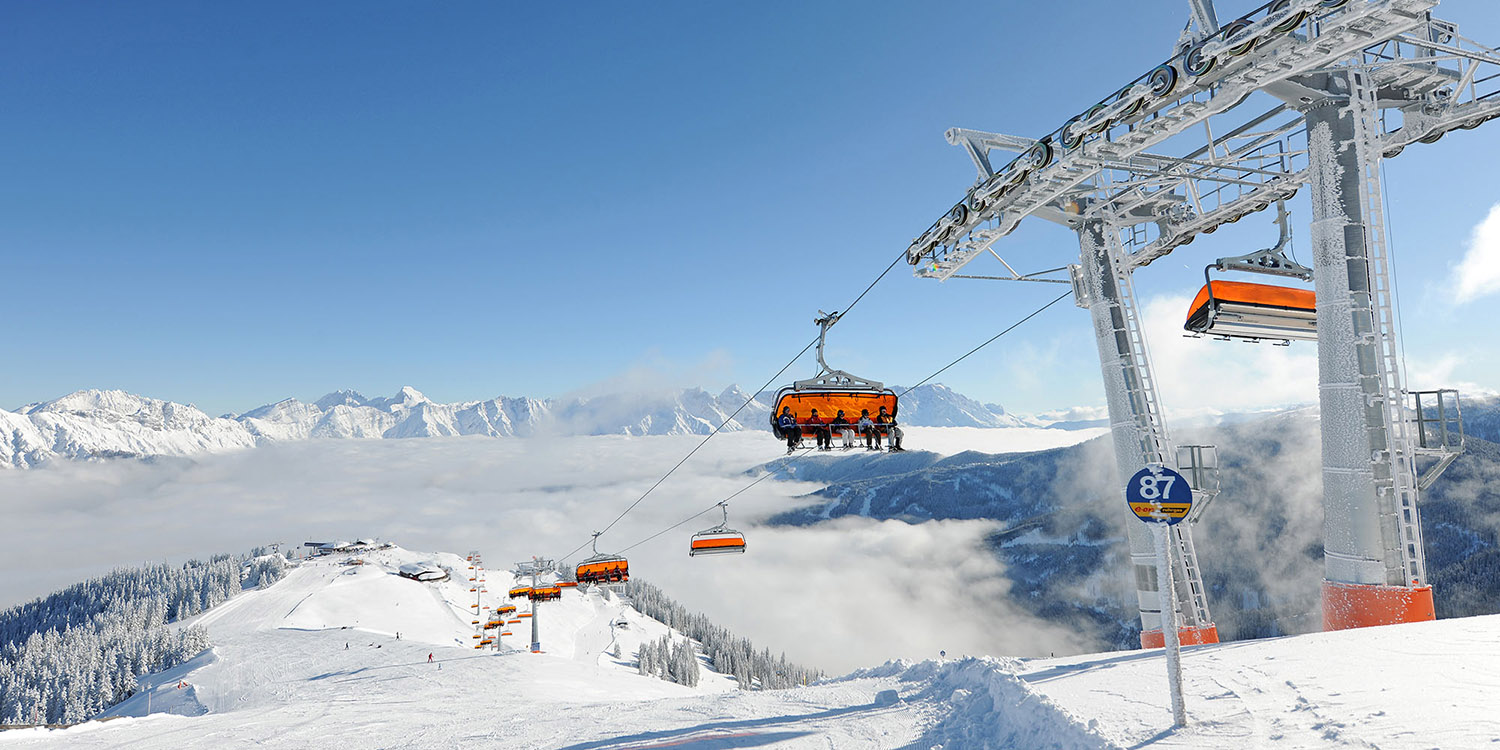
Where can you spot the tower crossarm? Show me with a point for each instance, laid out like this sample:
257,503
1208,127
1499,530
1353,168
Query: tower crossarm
1278,41
1432,80
978,144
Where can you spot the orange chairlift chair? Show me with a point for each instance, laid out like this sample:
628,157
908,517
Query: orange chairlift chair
1244,310
602,569
719,540
546,593
830,391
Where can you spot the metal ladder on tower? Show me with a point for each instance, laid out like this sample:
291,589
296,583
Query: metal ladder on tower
1395,467
1139,383
1154,443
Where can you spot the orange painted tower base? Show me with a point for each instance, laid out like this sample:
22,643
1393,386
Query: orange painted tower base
1353,605
1185,636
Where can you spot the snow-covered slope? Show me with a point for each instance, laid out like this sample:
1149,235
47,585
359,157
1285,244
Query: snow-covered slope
314,661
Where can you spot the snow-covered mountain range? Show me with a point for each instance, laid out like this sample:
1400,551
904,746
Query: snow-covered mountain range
111,424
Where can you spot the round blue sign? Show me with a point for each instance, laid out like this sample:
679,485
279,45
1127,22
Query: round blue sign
1157,494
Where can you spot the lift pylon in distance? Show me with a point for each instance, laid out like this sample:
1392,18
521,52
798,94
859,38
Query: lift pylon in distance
719,540
1294,94
601,568
829,392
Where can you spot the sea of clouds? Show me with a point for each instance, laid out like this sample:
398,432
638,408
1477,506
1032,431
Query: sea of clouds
838,595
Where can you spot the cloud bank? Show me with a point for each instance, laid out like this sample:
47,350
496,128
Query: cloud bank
836,596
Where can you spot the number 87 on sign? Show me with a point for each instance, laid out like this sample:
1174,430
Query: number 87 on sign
1157,494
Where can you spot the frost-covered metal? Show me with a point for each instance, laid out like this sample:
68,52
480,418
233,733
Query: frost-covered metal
536,567
1199,464
1243,115
1136,424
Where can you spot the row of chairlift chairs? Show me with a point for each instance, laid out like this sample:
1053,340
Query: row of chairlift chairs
603,569
1223,309
828,392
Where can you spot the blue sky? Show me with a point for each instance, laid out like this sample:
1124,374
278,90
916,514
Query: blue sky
231,204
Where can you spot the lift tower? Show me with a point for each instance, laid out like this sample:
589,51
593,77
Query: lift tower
1243,115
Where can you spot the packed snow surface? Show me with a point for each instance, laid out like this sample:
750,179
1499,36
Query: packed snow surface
313,661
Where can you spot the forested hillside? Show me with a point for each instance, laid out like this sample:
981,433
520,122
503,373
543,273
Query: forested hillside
728,653
68,656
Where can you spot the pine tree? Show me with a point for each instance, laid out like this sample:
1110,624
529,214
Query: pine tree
729,655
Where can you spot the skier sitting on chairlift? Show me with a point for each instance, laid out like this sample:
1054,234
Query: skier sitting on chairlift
867,428
893,433
844,429
821,432
789,429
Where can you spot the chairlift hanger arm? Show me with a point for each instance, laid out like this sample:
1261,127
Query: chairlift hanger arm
1272,260
828,377
978,144
1204,18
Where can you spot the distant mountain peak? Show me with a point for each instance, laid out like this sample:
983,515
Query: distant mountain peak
406,398
342,397
93,424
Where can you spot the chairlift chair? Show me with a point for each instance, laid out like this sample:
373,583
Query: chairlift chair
719,540
520,592
545,593
1245,310
602,569
830,391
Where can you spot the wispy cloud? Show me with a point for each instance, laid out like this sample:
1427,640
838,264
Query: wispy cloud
1200,374
1478,273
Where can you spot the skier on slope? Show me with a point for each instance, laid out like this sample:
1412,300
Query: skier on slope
429,658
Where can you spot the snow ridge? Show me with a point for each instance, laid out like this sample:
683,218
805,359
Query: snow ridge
98,424
985,703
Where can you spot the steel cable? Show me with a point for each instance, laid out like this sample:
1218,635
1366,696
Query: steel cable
788,461
736,413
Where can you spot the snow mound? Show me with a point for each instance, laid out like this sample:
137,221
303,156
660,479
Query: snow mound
983,702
